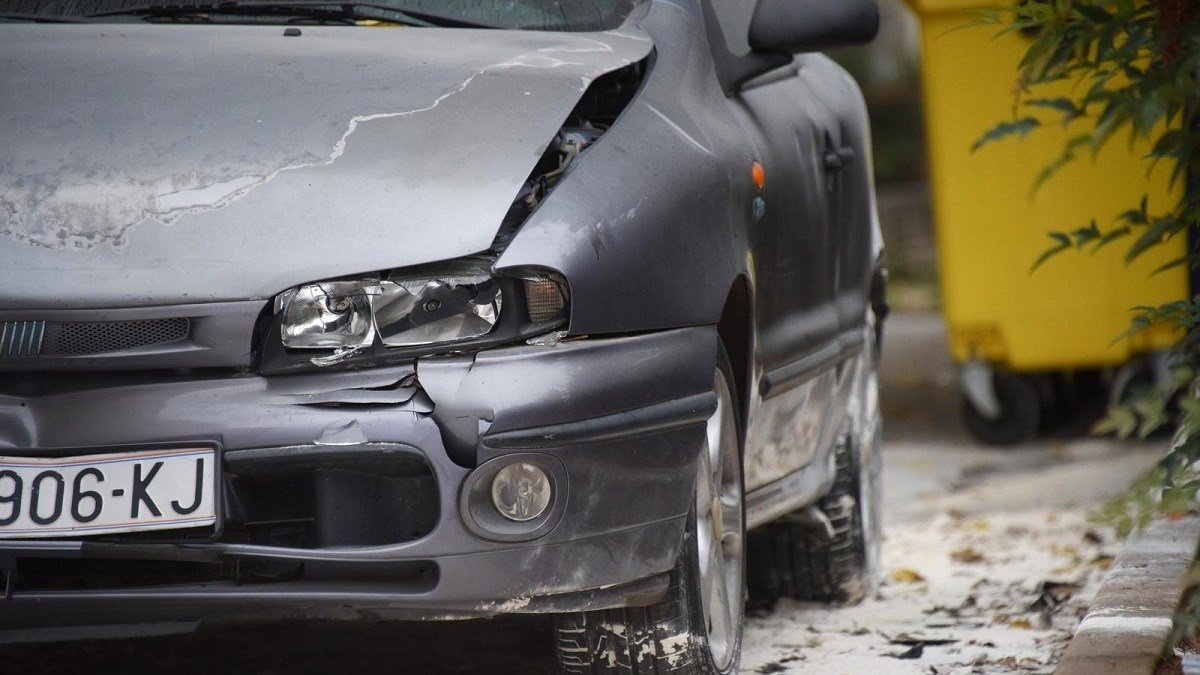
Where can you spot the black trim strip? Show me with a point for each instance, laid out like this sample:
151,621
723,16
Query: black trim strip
249,460
663,416
791,375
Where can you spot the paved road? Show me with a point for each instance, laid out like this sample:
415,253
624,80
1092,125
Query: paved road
971,534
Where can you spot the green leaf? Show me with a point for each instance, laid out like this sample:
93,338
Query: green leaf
1062,243
1020,128
1094,13
1177,262
1170,144
1067,156
1085,235
1113,235
1120,420
1062,104
1154,235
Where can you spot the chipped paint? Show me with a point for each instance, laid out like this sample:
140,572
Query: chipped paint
505,606
341,433
275,142
65,216
680,130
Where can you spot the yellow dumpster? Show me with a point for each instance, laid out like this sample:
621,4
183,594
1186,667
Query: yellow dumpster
1022,336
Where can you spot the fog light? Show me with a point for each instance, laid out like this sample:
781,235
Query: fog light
521,491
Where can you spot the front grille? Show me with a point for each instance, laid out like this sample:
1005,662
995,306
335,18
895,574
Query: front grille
21,338
79,338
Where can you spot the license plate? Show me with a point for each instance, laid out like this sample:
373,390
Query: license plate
104,494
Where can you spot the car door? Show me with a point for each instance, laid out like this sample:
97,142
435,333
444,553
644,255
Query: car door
794,259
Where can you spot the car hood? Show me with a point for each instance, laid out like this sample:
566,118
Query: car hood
151,164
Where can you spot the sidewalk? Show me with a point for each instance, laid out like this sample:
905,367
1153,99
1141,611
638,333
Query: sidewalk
989,558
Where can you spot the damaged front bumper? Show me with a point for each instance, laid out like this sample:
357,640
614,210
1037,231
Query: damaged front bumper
342,493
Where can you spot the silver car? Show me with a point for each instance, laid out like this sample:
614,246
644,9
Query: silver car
426,309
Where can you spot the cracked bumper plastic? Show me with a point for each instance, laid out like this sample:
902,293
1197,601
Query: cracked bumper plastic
624,416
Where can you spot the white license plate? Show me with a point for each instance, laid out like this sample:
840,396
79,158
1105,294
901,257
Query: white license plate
103,494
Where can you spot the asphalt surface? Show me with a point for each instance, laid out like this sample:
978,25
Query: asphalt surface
934,478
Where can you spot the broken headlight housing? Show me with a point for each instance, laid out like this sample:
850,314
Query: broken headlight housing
393,316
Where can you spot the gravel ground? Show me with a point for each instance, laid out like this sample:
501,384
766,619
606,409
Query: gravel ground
989,561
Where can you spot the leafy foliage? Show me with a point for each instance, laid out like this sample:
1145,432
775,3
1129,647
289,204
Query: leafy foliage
1132,68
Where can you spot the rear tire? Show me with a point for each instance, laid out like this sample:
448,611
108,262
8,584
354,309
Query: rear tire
792,558
697,628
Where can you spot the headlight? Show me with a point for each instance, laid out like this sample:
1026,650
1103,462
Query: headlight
397,315
329,315
437,309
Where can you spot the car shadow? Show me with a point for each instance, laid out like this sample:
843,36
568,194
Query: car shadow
518,644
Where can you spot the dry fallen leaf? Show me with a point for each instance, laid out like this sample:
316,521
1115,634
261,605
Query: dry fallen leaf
1020,623
967,555
904,575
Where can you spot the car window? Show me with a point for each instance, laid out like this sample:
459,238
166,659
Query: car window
734,16
561,15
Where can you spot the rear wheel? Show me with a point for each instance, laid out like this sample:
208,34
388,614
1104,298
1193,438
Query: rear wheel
836,558
697,628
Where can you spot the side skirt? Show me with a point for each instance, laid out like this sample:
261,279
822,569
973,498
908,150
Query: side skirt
791,492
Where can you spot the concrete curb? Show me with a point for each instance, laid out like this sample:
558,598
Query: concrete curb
1128,622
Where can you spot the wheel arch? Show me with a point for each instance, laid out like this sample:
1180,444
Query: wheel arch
736,332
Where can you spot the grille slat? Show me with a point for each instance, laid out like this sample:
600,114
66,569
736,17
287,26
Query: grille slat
22,339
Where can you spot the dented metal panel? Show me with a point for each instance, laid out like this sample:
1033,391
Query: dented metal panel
174,164
173,171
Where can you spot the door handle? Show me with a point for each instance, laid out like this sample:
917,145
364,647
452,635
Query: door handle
837,159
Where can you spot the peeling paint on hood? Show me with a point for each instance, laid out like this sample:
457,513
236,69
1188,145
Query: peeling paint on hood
165,164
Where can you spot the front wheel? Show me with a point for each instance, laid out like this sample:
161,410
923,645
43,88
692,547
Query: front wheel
697,628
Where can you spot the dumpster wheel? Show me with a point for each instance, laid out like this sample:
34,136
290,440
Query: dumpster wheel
1015,414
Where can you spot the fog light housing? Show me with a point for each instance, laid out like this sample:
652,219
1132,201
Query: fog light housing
521,491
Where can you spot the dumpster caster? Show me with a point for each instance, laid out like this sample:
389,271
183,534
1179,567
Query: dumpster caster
1000,408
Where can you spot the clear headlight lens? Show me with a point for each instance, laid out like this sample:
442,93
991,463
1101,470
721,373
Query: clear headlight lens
328,315
347,315
441,309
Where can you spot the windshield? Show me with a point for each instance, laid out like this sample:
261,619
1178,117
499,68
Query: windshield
560,15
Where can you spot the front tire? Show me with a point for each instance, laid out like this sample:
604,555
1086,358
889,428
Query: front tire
697,628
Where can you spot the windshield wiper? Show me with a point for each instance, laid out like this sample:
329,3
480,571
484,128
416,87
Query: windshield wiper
422,16
41,18
310,8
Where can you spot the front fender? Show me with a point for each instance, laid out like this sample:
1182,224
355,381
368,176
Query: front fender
649,226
